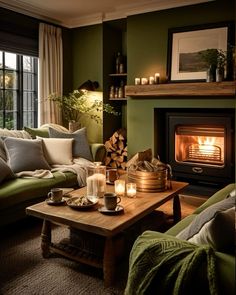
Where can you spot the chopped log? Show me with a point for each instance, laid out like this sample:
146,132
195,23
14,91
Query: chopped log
116,148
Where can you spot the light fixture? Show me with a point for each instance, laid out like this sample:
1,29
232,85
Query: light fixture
89,85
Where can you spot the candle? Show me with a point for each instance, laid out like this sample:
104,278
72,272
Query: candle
151,80
120,187
96,184
131,190
157,78
137,81
144,81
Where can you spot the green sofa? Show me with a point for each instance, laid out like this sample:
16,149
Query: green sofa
152,270
18,193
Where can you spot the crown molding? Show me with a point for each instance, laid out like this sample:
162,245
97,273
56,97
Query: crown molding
120,11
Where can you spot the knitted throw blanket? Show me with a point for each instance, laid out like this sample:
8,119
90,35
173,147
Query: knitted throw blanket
170,266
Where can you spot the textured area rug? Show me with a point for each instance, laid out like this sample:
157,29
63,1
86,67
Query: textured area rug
23,270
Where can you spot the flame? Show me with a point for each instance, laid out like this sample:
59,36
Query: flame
206,144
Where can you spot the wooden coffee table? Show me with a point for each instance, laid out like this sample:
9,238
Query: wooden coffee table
109,227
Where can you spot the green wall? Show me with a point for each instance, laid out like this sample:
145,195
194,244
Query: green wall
88,65
147,39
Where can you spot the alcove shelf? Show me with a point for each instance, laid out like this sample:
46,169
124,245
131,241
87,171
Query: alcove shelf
226,88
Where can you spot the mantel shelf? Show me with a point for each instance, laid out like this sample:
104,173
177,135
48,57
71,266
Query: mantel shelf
226,88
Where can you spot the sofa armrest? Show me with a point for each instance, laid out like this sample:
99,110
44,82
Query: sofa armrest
98,151
217,197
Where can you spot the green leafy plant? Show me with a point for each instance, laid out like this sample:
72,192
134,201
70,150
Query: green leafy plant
214,57
76,104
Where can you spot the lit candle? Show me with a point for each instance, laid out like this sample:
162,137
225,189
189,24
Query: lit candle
157,78
96,185
151,80
120,187
144,81
137,81
131,189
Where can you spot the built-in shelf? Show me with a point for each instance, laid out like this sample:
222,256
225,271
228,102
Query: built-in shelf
119,98
118,75
226,88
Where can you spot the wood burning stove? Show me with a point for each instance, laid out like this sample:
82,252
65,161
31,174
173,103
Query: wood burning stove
200,145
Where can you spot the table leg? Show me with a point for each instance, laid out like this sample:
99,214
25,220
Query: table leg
176,209
46,238
109,262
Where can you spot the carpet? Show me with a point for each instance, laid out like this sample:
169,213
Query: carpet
23,270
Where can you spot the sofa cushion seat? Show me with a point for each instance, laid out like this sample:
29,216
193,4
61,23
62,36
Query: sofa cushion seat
181,225
20,190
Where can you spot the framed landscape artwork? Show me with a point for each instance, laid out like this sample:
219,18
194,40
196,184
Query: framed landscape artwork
185,46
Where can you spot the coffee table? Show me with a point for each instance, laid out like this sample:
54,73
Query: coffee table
94,223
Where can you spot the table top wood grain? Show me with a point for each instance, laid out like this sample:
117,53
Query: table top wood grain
91,220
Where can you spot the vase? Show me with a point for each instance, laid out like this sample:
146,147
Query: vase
73,126
220,71
211,74
96,182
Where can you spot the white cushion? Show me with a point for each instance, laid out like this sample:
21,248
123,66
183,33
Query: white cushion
58,150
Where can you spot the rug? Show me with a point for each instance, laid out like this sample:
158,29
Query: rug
23,270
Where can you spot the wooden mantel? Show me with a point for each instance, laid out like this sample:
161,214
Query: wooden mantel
182,89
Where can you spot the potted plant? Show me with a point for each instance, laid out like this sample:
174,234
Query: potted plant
76,105
215,60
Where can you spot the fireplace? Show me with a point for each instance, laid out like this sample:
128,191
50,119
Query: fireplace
199,144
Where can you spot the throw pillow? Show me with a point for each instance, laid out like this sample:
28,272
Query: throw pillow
2,151
6,172
58,151
80,147
25,154
42,132
214,226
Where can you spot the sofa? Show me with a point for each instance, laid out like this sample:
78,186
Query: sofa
25,156
195,256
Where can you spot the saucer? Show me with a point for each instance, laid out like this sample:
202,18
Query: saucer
117,210
49,201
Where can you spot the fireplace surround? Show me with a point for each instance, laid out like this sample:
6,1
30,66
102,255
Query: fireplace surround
197,143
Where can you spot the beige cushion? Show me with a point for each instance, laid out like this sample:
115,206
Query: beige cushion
58,150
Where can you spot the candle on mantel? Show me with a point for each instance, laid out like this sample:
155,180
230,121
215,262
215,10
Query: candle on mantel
137,81
131,189
119,187
151,80
144,81
157,78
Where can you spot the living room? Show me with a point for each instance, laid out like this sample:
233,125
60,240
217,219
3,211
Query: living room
89,52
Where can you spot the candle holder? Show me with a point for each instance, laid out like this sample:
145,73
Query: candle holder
131,190
96,182
120,187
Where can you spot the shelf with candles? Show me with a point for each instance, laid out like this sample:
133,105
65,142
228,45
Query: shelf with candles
225,88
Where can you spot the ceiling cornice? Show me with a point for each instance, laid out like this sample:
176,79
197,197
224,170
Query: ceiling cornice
120,11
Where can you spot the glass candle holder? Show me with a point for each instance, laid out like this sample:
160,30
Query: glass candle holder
119,187
131,190
96,182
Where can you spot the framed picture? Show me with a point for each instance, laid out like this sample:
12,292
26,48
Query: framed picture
185,46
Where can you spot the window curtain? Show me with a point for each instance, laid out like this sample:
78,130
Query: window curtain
50,72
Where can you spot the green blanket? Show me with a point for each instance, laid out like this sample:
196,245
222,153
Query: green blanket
170,266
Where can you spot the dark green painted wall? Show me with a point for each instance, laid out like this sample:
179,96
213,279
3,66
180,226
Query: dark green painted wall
87,55
147,39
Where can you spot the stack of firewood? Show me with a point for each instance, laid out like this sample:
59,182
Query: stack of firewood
116,148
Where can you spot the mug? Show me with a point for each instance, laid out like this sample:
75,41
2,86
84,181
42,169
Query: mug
56,194
111,200
112,175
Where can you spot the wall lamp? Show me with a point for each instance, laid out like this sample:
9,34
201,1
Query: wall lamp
89,85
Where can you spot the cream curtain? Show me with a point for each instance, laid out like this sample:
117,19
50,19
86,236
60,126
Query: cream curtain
50,72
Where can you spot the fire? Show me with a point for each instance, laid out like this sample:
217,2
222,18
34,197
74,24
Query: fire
206,144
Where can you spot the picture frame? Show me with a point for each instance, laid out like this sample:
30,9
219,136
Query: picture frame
184,63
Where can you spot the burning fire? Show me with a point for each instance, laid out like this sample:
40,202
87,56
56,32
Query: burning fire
206,145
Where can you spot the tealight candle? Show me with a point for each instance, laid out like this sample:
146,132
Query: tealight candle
137,81
144,81
157,78
119,187
151,80
131,190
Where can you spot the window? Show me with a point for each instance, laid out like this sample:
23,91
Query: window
18,90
